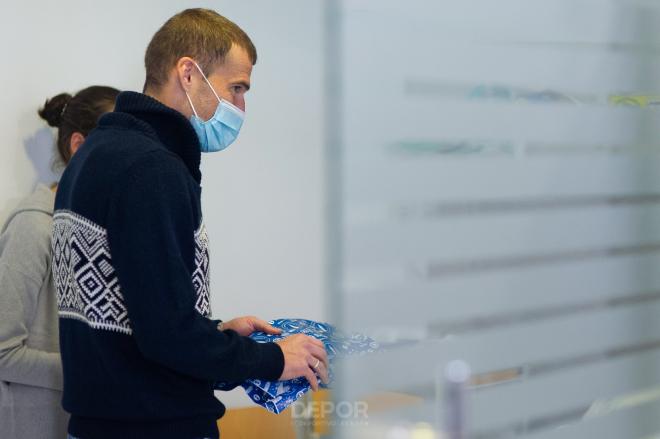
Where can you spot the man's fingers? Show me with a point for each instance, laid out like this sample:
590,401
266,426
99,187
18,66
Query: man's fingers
323,372
319,367
264,326
311,377
316,341
319,353
270,329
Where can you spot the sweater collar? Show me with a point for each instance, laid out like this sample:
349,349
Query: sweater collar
169,126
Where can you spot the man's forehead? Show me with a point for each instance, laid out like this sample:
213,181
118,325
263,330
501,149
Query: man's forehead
237,63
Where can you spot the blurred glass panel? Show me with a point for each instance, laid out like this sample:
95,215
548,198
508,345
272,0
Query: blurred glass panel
495,199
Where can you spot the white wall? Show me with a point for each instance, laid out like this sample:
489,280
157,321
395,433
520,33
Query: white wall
262,197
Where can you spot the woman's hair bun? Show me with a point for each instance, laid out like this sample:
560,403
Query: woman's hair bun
54,108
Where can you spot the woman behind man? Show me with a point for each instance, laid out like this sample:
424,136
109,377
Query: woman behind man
30,367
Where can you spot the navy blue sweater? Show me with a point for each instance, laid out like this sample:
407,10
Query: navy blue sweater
130,259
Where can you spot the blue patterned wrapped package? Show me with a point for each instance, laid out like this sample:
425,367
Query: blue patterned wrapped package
278,395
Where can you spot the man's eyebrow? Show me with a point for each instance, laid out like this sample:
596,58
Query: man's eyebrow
245,84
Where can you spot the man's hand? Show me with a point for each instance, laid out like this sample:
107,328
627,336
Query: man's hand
303,355
249,324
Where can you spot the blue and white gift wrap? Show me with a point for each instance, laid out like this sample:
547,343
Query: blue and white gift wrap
278,395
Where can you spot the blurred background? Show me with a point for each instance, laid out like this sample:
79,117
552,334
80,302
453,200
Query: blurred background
473,184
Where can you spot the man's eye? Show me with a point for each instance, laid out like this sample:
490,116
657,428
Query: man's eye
238,88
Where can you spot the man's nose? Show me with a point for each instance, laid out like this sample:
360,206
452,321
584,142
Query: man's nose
239,101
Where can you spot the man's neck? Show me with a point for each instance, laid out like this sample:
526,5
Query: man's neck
170,99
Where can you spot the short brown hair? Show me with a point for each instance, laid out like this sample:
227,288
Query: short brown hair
201,34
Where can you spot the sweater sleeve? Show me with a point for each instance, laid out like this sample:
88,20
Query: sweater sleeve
151,227
23,269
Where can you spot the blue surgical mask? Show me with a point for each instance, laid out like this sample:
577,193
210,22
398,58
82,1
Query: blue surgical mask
222,128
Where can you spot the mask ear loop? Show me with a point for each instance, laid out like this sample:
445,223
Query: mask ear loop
191,104
207,81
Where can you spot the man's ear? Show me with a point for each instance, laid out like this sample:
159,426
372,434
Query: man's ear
77,139
184,70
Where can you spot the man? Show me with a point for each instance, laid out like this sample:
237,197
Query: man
140,353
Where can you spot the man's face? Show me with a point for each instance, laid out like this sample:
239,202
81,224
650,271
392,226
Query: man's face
230,80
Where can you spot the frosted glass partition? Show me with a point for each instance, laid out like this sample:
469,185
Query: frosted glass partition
493,176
